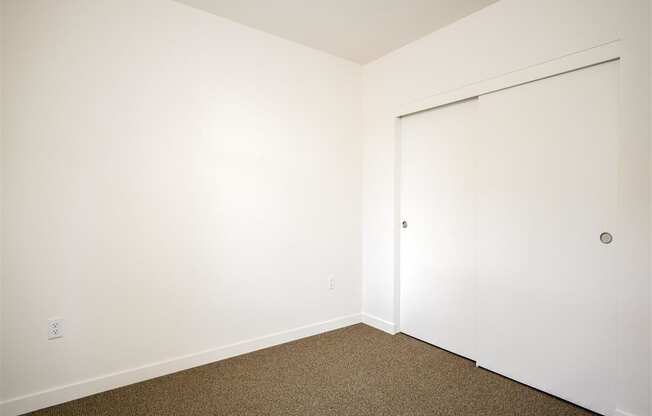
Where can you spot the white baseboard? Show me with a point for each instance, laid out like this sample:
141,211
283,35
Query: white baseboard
378,323
619,412
61,394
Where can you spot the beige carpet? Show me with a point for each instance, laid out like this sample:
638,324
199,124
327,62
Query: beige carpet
352,371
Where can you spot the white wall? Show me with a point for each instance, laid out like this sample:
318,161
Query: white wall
174,182
510,35
150,142
650,121
1,256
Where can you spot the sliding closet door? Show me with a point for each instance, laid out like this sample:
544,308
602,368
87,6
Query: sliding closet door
438,245
548,189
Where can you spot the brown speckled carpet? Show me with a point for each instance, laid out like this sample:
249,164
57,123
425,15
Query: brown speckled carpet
351,371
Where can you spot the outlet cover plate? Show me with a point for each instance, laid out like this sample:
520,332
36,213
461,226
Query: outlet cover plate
55,328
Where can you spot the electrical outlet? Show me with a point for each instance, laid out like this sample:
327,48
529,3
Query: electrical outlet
331,282
55,328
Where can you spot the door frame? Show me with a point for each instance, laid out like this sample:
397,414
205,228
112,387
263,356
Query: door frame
600,54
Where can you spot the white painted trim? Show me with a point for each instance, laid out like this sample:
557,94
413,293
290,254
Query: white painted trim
378,323
581,59
398,179
619,412
31,402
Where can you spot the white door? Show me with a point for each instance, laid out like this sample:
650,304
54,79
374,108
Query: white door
547,188
438,245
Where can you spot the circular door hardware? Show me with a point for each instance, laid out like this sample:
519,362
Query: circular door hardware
606,238
404,224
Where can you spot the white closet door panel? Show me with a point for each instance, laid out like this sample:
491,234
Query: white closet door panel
547,286
438,247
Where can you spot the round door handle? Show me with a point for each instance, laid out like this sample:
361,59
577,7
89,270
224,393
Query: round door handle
404,224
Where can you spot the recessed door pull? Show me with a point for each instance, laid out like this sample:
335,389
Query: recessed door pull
606,238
